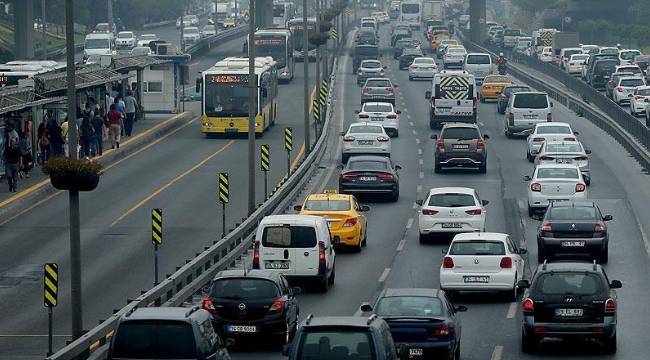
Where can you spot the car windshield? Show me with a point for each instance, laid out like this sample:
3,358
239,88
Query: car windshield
378,83
336,344
456,50
478,59
557,173
412,52
367,165
125,35
629,69
403,43
370,64
451,200
97,44
530,101
409,306
369,51
154,339
643,92
569,283
580,57
510,90
568,53
511,32
629,55
410,8
449,42
497,79
553,129
631,82
140,51
243,289
609,51
289,237
384,108
607,66
148,37
475,247
572,213
191,31
366,129
563,148
208,28
464,133
327,205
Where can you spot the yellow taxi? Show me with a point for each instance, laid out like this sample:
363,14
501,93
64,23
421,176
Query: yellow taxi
229,23
344,216
437,37
493,85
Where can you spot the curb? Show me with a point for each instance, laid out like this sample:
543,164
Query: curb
39,192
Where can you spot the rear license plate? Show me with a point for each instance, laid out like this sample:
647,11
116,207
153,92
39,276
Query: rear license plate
563,161
377,118
476,279
277,265
231,130
530,116
573,243
415,352
569,312
452,225
461,146
365,142
367,178
241,328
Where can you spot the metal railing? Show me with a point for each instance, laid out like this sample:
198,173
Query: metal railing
212,41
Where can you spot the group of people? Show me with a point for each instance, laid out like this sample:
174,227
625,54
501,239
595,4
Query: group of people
16,153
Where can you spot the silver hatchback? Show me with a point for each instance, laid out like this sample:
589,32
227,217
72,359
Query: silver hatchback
378,89
365,139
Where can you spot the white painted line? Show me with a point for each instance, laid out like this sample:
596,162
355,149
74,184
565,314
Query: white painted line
512,310
419,151
415,206
419,188
401,244
408,116
409,223
417,141
411,123
497,353
421,161
421,174
481,123
384,275
414,132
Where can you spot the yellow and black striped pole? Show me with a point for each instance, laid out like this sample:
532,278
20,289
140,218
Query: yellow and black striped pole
50,297
156,239
334,34
288,145
224,198
323,92
265,164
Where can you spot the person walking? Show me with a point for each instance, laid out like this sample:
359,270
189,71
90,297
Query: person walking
115,126
87,133
11,156
98,128
43,143
131,106
55,135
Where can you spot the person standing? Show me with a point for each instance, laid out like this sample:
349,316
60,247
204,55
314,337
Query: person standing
87,133
11,156
43,143
131,107
115,126
98,128
55,136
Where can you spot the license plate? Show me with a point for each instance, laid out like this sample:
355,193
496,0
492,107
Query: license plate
476,279
367,178
569,312
563,161
452,225
277,265
375,118
231,130
573,243
531,116
365,142
415,352
461,146
241,328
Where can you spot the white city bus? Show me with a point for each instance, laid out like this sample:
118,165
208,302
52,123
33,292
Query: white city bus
278,44
411,12
297,31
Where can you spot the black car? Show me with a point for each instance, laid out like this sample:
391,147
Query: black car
423,319
366,37
504,97
571,229
401,44
569,300
247,303
407,57
601,72
364,52
460,146
370,174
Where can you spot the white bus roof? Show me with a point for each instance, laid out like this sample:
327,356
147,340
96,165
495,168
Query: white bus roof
239,65
273,31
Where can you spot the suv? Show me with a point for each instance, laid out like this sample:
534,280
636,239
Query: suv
378,89
569,300
249,303
167,333
344,337
453,97
600,71
368,69
364,52
525,110
573,229
460,145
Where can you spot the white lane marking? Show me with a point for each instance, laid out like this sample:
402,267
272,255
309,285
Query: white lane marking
417,141
497,353
415,206
408,116
414,132
403,103
421,174
481,123
512,310
411,123
401,244
419,189
419,151
421,161
384,275
409,223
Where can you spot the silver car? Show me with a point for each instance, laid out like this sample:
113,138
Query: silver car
365,139
382,113
565,152
369,69
378,89
548,131
554,182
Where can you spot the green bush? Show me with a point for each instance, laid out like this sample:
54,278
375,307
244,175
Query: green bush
64,165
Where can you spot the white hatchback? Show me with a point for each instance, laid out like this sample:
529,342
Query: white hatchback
451,210
382,113
640,100
548,131
554,182
482,261
624,90
422,67
576,63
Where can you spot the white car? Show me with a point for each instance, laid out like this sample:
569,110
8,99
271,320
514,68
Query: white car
454,56
186,22
565,56
627,56
547,131
191,35
624,89
451,210
546,55
141,50
478,64
632,69
382,113
525,110
554,182
422,67
146,39
576,63
208,30
586,49
365,138
640,100
125,39
565,152
482,261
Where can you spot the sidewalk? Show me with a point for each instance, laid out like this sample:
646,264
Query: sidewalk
144,131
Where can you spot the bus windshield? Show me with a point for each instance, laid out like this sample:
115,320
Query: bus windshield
274,46
297,31
226,95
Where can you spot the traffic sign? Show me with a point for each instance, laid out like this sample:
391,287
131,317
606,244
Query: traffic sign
224,188
156,226
288,138
50,284
316,110
265,157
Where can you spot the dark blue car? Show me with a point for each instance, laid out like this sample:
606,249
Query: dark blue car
423,319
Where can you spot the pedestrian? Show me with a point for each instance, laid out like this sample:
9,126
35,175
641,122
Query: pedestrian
26,159
11,156
64,133
87,134
130,109
55,137
98,128
120,106
115,126
43,143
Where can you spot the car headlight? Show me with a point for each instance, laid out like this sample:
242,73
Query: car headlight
205,124
359,73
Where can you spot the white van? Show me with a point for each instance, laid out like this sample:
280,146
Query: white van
453,98
298,246
411,13
478,64
99,44
525,110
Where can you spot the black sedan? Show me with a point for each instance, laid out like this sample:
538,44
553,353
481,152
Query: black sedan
573,229
422,319
504,97
245,304
406,59
369,174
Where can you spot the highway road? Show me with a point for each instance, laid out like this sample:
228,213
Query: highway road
394,257
177,173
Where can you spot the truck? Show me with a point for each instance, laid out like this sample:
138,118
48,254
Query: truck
543,38
564,39
223,10
433,10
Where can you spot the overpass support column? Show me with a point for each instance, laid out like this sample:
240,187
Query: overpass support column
477,21
264,13
24,29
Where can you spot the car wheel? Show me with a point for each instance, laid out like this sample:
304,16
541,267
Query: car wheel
457,354
411,78
588,180
507,133
540,256
482,169
610,345
364,242
359,245
395,133
482,99
604,256
332,277
528,343
394,196
632,111
531,212
529,157
437,168
324,284
344,158
424,238
511,295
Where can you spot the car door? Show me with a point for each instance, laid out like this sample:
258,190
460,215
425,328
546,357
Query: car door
362,218
293,304
276,250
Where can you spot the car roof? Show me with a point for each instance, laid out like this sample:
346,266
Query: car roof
162,313
531,93
370,60
377,103
341,321
424,57
570,265
253,274
365,123
556,166
629,78
369,158
291,218
570,203
459,125
480,236
552,123
451,189
428,292
378,78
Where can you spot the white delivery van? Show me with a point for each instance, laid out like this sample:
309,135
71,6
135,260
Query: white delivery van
453,98
478,64
525,110
298,246
411,13
99,44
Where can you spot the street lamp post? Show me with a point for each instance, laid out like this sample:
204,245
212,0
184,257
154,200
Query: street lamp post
252,106
305,55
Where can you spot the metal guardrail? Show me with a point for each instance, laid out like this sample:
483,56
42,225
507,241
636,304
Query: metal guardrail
190,278
215,40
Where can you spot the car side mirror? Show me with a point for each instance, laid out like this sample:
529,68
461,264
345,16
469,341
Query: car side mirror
427,95
398,167
298,207
587,151
356,111
616,284
364,208
523,284
230,342
434,136
551,104
336,242
522,252
419,202
444,251
460,308
365,307
527,178
486,136
296,290
342,133
384,67
608,218
339,166
398,112
576,133
403,351
205,289
395,86
485,202
286,349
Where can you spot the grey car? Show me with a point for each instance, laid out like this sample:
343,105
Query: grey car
460,145
378,89
368,69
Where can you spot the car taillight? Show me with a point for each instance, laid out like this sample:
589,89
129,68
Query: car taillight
528,305
386,177
581,158
383,138
536,186
447,262
366,89
537,139
639,97
544,157
580,187
549,117
348,138
350,222
277,307
321,251
389,89
442,331
480,144
256,255
348,176
610,83
392,116
599,228
569,139
206,304
363,116
429,212
473,212
440,144
619,89
546,226
610,305
506,262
